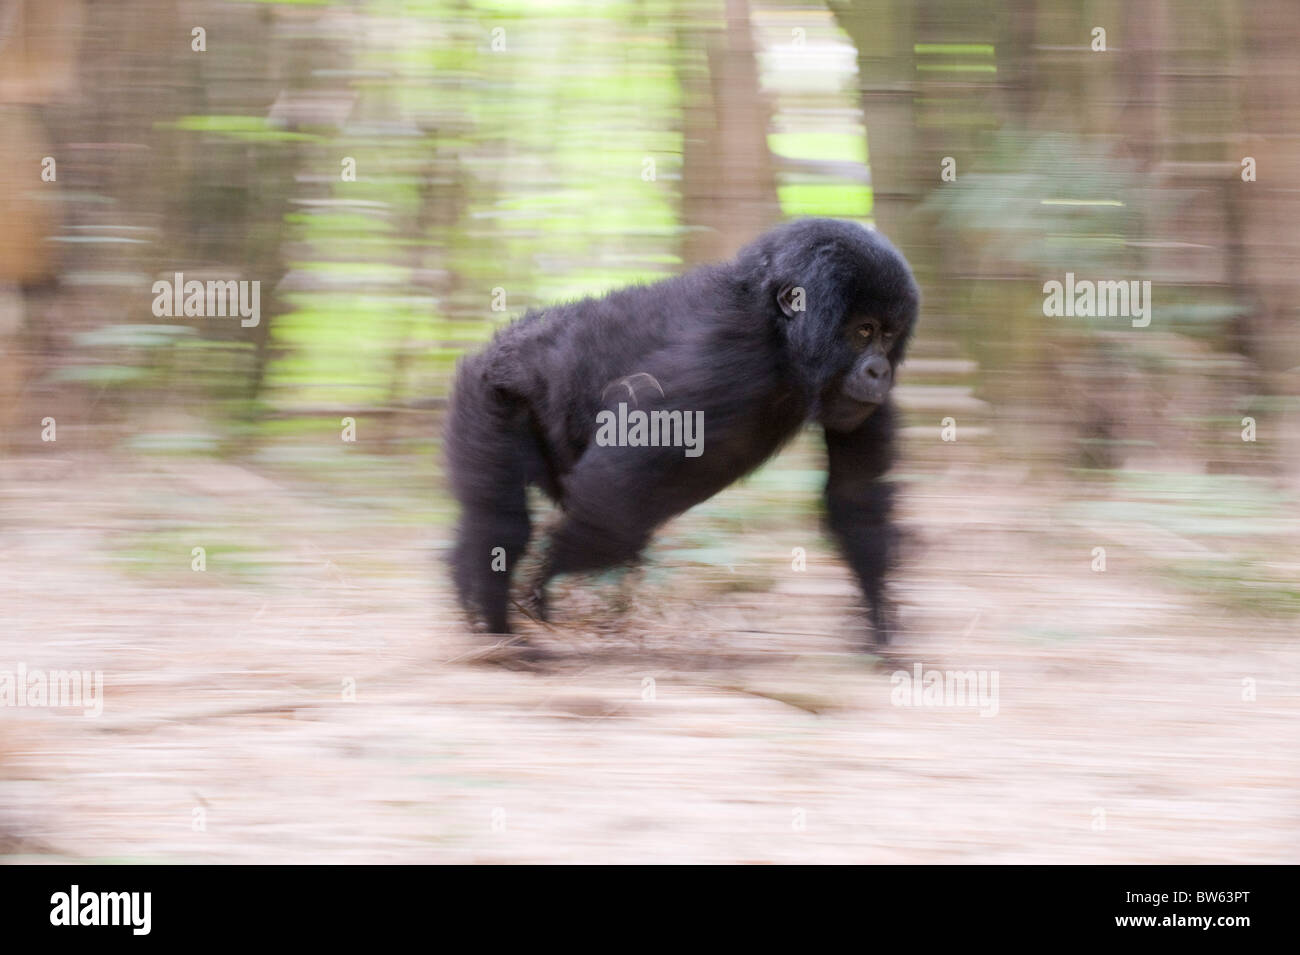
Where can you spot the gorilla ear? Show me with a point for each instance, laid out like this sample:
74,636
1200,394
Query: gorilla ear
792,300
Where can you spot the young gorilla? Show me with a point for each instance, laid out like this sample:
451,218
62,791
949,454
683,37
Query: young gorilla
808,322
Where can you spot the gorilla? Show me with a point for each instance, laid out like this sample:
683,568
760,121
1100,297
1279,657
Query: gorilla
629,409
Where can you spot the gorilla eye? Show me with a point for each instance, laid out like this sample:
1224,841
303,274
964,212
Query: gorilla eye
865,333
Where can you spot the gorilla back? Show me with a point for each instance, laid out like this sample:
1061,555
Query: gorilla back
628,409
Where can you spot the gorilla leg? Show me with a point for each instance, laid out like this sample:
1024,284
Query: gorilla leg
481,571
583,542
613,501
492,453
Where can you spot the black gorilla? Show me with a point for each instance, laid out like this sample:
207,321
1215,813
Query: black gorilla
629,409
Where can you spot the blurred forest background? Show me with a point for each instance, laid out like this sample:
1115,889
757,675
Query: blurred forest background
402,177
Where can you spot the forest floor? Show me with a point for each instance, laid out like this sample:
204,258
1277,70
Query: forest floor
315,697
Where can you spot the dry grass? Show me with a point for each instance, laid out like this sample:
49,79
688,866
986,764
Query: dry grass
224,694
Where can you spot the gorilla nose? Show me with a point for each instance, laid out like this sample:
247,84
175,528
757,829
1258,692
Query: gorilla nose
870,381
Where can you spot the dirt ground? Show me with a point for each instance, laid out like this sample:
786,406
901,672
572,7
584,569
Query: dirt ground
1136,722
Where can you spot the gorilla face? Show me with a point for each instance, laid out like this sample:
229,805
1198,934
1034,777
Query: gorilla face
874,344
849,304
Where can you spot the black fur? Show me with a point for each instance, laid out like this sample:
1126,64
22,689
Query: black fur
726,340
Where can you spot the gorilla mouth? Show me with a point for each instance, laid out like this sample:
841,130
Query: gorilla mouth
855,391
865,395
847,413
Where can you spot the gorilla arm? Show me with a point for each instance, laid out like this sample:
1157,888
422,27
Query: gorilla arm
859,502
